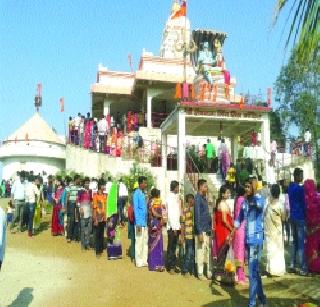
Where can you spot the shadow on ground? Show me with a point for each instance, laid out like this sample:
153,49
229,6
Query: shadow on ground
286,293
24,298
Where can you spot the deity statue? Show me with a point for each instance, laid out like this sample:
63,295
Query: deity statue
206,60
219,56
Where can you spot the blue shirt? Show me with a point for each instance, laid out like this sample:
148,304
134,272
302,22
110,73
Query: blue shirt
140,208
252,212
63,198
202,218
297,202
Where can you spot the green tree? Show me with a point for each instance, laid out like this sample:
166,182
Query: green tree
276,128
304,31
297,91
134,174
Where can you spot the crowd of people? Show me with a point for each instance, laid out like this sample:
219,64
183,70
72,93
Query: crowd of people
117,137
234,234
227,239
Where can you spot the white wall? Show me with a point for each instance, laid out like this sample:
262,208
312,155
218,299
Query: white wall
94,164
37,165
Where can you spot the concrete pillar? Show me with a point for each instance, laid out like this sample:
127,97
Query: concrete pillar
149,110
164,151
106,106
181,141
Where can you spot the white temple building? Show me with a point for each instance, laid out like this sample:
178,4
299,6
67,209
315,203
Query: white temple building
33,147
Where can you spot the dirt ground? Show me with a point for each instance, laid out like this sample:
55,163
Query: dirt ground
46,271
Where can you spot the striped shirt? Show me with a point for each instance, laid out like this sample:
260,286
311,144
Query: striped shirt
187,220
73,192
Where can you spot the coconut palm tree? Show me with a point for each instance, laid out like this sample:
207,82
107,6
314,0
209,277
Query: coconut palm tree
304,30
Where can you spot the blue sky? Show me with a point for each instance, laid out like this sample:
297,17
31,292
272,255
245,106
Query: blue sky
60,44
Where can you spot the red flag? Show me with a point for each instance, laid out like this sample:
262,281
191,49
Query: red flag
180,10
62,104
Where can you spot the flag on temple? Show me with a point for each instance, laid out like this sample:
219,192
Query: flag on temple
112,200
179,9
61,104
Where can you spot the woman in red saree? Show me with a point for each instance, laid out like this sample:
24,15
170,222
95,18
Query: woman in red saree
57,220
223,227
312,247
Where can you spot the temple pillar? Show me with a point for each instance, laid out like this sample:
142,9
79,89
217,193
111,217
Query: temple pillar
181,141
149,108
106,107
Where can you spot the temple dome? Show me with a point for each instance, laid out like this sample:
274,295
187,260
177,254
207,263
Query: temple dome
35,129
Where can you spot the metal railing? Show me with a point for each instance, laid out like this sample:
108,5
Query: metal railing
192,171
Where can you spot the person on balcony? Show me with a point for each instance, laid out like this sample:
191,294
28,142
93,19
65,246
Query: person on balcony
225,159
211,154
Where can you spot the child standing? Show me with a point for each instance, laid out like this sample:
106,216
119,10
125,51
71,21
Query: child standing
10,213
114,249
187,236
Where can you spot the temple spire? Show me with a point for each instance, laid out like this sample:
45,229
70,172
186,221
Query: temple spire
176,29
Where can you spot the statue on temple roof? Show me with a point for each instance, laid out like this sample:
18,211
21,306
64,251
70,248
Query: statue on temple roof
219,56
206,60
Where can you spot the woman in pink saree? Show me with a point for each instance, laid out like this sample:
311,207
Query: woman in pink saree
239,238
312,247
86,142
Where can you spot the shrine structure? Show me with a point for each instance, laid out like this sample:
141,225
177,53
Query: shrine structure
185,93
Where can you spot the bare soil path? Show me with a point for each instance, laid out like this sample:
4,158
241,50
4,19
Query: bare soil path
46,271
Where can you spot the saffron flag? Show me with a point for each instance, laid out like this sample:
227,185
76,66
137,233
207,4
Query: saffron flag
179,10
62,104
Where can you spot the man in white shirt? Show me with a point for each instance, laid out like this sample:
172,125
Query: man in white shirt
173,206
18,199
102,132
122,199
31,196
2,235
81,131
93,186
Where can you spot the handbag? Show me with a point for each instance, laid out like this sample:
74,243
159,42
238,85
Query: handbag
228,278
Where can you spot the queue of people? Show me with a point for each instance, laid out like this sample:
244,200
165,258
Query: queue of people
234,234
